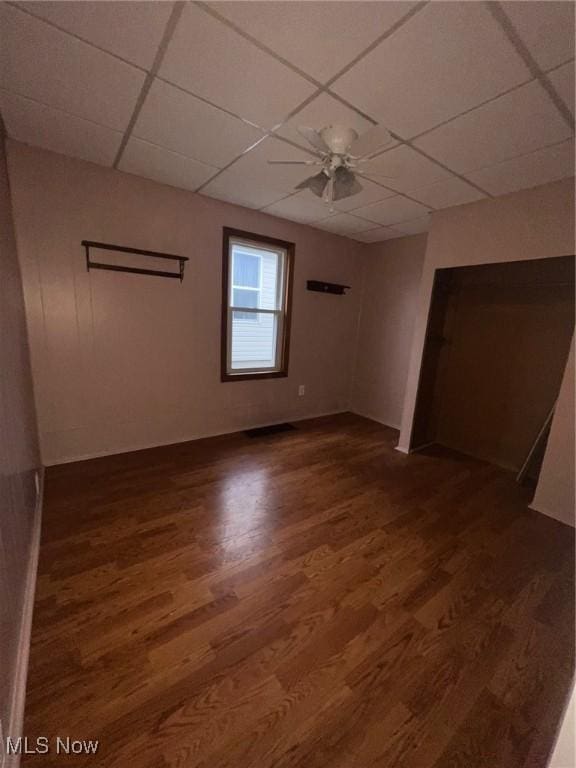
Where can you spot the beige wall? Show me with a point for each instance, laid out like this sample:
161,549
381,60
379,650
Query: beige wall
555,492
128,361
531,224
392,272
19,460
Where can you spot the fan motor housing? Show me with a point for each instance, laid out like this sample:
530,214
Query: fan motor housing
338,138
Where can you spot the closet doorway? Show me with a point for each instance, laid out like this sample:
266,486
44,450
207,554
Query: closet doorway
496,348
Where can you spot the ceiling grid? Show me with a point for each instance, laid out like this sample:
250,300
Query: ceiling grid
170,102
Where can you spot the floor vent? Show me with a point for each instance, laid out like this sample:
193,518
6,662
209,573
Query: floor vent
273,429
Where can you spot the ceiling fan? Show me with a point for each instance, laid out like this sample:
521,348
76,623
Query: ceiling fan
340,152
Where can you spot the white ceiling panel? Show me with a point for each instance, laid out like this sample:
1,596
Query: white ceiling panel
60,71
547,28
412,227
210,59
371,193
344,224
322,111
514,124
253,182
303,207
376,235
152,162
393,210
448,58
33,123
173,119
538,167
445,194
402,168
131,30
563,81
71,74
318,37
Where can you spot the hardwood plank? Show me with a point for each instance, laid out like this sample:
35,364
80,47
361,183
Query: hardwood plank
311,600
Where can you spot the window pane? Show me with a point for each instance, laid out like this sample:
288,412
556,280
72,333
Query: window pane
244,297
271,280
246,270
253,344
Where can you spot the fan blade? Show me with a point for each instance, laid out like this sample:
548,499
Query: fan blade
315,184
294,162
374,139
313,137
345,184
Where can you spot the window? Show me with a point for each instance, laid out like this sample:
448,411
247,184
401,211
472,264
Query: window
256,286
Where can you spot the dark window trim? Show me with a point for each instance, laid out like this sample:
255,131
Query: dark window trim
227,234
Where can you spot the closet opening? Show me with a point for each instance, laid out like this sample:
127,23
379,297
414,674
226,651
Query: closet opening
496,347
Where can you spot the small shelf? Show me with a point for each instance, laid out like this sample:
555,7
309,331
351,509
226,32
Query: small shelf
322,287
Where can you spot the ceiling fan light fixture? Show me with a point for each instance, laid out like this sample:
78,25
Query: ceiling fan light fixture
315,184
339,150
345,184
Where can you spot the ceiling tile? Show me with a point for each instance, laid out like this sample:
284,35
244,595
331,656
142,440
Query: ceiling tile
131,30
371,193
376,235
538,167
448,58
391,211
445,194
173,119
563,80
511,125
344,224
318,37
251,181
60,71
33,123
210,59
322,111
303,207
152,162
412,227
402,169
547,28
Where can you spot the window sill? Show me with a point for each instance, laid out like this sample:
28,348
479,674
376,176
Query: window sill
253,376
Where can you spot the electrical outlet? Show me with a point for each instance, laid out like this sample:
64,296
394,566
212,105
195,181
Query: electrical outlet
301,390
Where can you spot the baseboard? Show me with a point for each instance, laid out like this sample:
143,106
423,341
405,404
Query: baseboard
370,416
563,752
16,722
203,436
543,511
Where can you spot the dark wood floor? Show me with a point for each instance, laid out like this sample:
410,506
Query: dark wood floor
313,599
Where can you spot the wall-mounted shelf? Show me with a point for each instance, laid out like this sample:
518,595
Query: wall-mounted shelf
139,252
322,287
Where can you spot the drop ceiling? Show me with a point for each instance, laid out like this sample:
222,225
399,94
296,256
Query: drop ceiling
479,97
